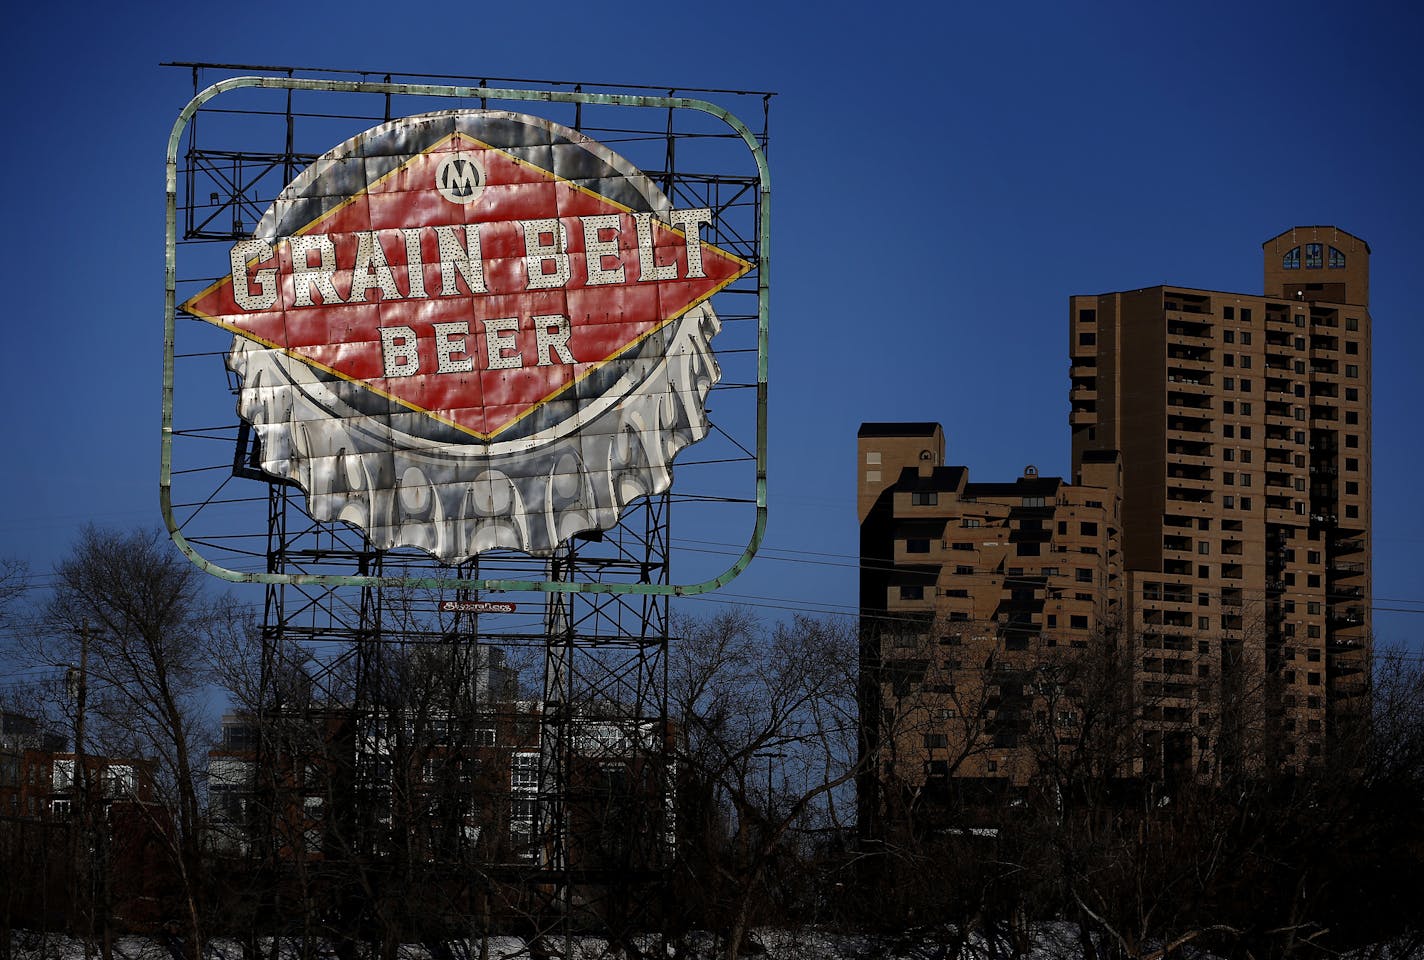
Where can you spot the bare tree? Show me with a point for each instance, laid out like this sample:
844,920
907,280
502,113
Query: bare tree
130,611
768,726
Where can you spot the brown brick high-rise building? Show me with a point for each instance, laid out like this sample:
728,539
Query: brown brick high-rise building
1214,540
1244,427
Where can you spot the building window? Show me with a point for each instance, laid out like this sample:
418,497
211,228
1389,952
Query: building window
1352,393
1245,383
1228,336
1351,346
1078,621
1228,384
1228,313
1087,339
1352,323
1351,488
1313,256
1083,576
1228,406
1352,440
1351,417
1087,316
924,498
1246,361
1352,370
1088,529
872,457
1228,454
912,591
917,545
1337,259
524,771
1032,502
936,741
872,476
1291,261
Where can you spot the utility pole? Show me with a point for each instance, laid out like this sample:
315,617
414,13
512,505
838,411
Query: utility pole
79,785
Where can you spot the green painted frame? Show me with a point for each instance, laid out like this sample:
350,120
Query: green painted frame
165,491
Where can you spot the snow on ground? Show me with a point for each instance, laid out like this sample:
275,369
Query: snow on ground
1051,941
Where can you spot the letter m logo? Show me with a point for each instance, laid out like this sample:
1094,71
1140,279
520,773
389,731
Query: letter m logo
459,179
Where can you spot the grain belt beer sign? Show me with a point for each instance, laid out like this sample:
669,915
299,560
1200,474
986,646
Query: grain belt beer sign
471,330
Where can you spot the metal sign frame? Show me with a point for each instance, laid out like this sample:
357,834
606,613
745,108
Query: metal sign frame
464,92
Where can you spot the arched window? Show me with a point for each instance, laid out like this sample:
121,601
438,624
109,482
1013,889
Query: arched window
1313,258
1337,259
1291,261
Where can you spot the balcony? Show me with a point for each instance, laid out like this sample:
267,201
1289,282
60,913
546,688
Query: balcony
1194,427
1180,399
1189,334
1189,357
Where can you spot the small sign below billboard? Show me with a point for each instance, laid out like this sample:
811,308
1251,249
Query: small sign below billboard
476,606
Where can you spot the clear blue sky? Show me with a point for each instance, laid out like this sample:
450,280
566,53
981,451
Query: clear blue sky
1017,154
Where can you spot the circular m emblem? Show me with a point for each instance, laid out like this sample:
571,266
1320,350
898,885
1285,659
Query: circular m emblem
459,178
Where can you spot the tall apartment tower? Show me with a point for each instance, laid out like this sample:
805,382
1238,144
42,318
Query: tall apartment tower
1243,422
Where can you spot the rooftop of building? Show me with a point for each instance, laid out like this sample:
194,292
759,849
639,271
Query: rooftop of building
938,480
1184,288
1318,226
890,429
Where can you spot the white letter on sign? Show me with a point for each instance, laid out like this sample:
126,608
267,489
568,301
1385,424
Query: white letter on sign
304,274
595,250
371,269
647,256
398,359
259,250
691,221
499,337
450,340
552,332
537,254
464,257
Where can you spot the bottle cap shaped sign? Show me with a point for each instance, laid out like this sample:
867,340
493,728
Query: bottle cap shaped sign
472,330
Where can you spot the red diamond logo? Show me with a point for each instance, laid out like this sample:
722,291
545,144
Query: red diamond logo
468,284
